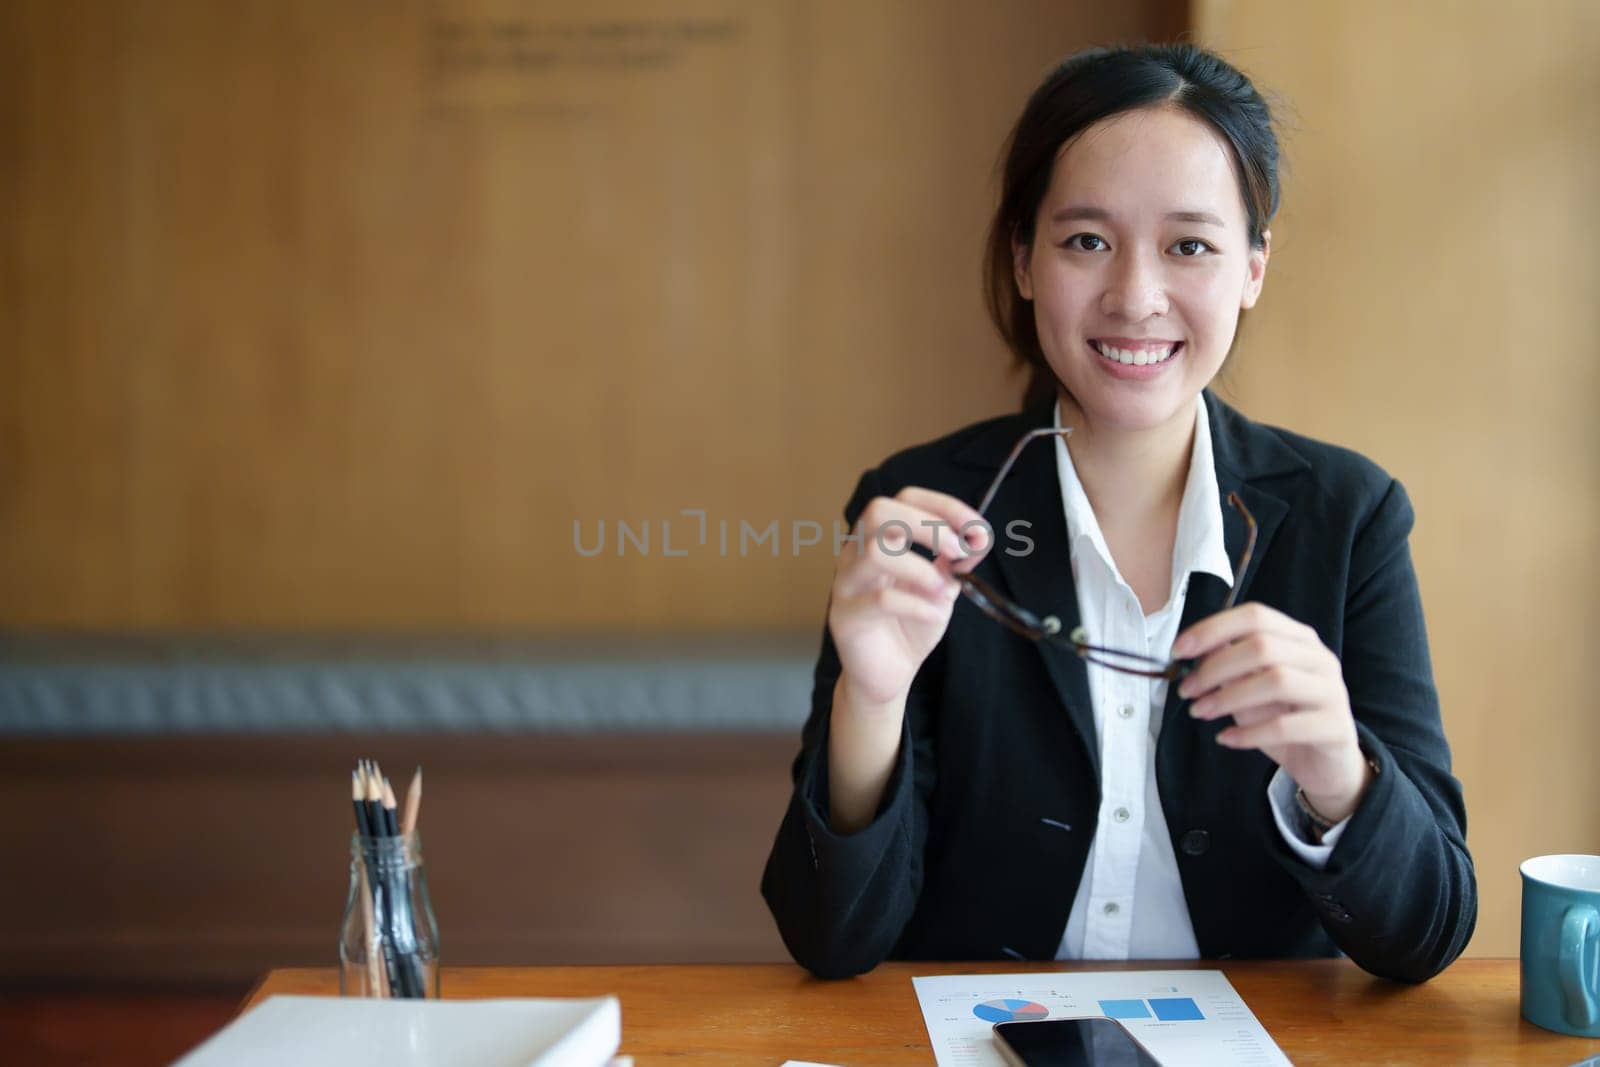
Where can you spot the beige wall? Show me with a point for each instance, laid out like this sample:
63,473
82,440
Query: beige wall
1432,303
338,315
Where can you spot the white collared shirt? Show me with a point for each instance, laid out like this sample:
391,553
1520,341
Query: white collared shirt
1130,902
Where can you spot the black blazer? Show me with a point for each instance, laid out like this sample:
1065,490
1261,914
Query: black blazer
968,857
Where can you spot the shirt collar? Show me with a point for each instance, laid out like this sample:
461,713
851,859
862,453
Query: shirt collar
1199,545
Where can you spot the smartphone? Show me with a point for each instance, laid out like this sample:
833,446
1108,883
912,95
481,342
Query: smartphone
1093,1042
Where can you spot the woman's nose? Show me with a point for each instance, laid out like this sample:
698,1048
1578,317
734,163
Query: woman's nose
1135,289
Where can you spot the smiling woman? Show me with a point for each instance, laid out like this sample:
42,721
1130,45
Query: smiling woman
970,790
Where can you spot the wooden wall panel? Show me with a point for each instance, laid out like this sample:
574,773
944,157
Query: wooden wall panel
212,859
1431,302
338,315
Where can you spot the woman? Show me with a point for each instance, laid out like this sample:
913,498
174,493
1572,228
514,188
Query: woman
1179,744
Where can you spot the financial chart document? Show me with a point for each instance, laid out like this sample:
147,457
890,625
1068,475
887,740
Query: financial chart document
1183,1017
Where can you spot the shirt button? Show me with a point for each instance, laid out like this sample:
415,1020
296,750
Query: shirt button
1112,908
1121,815
1126,711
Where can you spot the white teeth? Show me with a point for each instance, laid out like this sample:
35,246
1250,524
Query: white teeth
1141,358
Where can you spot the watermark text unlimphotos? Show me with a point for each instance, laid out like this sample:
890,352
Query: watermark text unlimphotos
696,534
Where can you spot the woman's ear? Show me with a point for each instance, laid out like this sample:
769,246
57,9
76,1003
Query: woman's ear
1020,259
1256,271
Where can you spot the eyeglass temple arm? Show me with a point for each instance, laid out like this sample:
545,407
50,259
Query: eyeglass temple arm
1249,548
1016,450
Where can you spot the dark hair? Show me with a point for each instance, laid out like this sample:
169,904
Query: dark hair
1096,84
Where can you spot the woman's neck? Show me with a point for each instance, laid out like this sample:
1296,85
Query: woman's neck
1131,477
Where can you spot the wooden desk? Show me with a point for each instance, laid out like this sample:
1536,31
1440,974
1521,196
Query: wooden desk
1319,1011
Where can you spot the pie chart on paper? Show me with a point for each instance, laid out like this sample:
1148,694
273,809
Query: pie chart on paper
1010,1011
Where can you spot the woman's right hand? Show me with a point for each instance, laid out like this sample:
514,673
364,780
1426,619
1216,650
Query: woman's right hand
888,606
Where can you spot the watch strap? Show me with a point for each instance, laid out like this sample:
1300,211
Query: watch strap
1320,824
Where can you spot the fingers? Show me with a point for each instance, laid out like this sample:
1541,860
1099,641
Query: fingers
1276,683
889,526
968,530
1256,651
1260,713
1218,630
1282,685
1294,728
939,521
882,568
900,603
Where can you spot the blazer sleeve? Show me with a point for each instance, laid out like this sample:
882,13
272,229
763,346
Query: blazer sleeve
841,901
1399,894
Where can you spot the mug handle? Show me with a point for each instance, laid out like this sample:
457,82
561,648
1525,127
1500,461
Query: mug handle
1579,928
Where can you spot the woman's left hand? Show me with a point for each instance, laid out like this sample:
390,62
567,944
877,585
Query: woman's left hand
1285,691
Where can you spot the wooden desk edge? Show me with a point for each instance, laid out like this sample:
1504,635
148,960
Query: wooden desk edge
324,981
1319,1011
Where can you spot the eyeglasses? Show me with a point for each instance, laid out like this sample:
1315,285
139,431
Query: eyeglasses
1014,616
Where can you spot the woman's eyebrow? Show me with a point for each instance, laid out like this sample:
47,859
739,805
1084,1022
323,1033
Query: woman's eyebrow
1075,212
1195,216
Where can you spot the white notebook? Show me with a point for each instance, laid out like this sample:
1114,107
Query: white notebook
343,1032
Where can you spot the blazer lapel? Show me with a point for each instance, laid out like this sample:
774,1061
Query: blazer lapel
1038,578
1246,455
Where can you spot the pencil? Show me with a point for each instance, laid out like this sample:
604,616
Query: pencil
410,967
374,801
385,882
377,978
358,801
390,825
408,825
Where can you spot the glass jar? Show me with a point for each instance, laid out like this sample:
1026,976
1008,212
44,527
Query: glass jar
389,939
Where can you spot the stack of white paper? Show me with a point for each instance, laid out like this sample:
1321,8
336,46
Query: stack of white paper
339,1032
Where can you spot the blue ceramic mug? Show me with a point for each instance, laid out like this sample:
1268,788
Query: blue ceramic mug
1561,944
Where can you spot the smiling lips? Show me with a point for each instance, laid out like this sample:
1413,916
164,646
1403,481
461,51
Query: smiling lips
1134,352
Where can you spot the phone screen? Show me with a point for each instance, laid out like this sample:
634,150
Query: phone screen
1093,1042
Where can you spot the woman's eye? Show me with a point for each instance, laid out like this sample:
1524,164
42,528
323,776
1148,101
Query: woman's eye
1190,247
1085,242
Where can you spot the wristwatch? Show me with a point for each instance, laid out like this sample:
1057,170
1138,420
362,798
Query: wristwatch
1319,824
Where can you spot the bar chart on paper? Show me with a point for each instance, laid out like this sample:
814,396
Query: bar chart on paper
1167,1009
1183,1017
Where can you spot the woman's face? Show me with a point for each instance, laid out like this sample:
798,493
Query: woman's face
1140,256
